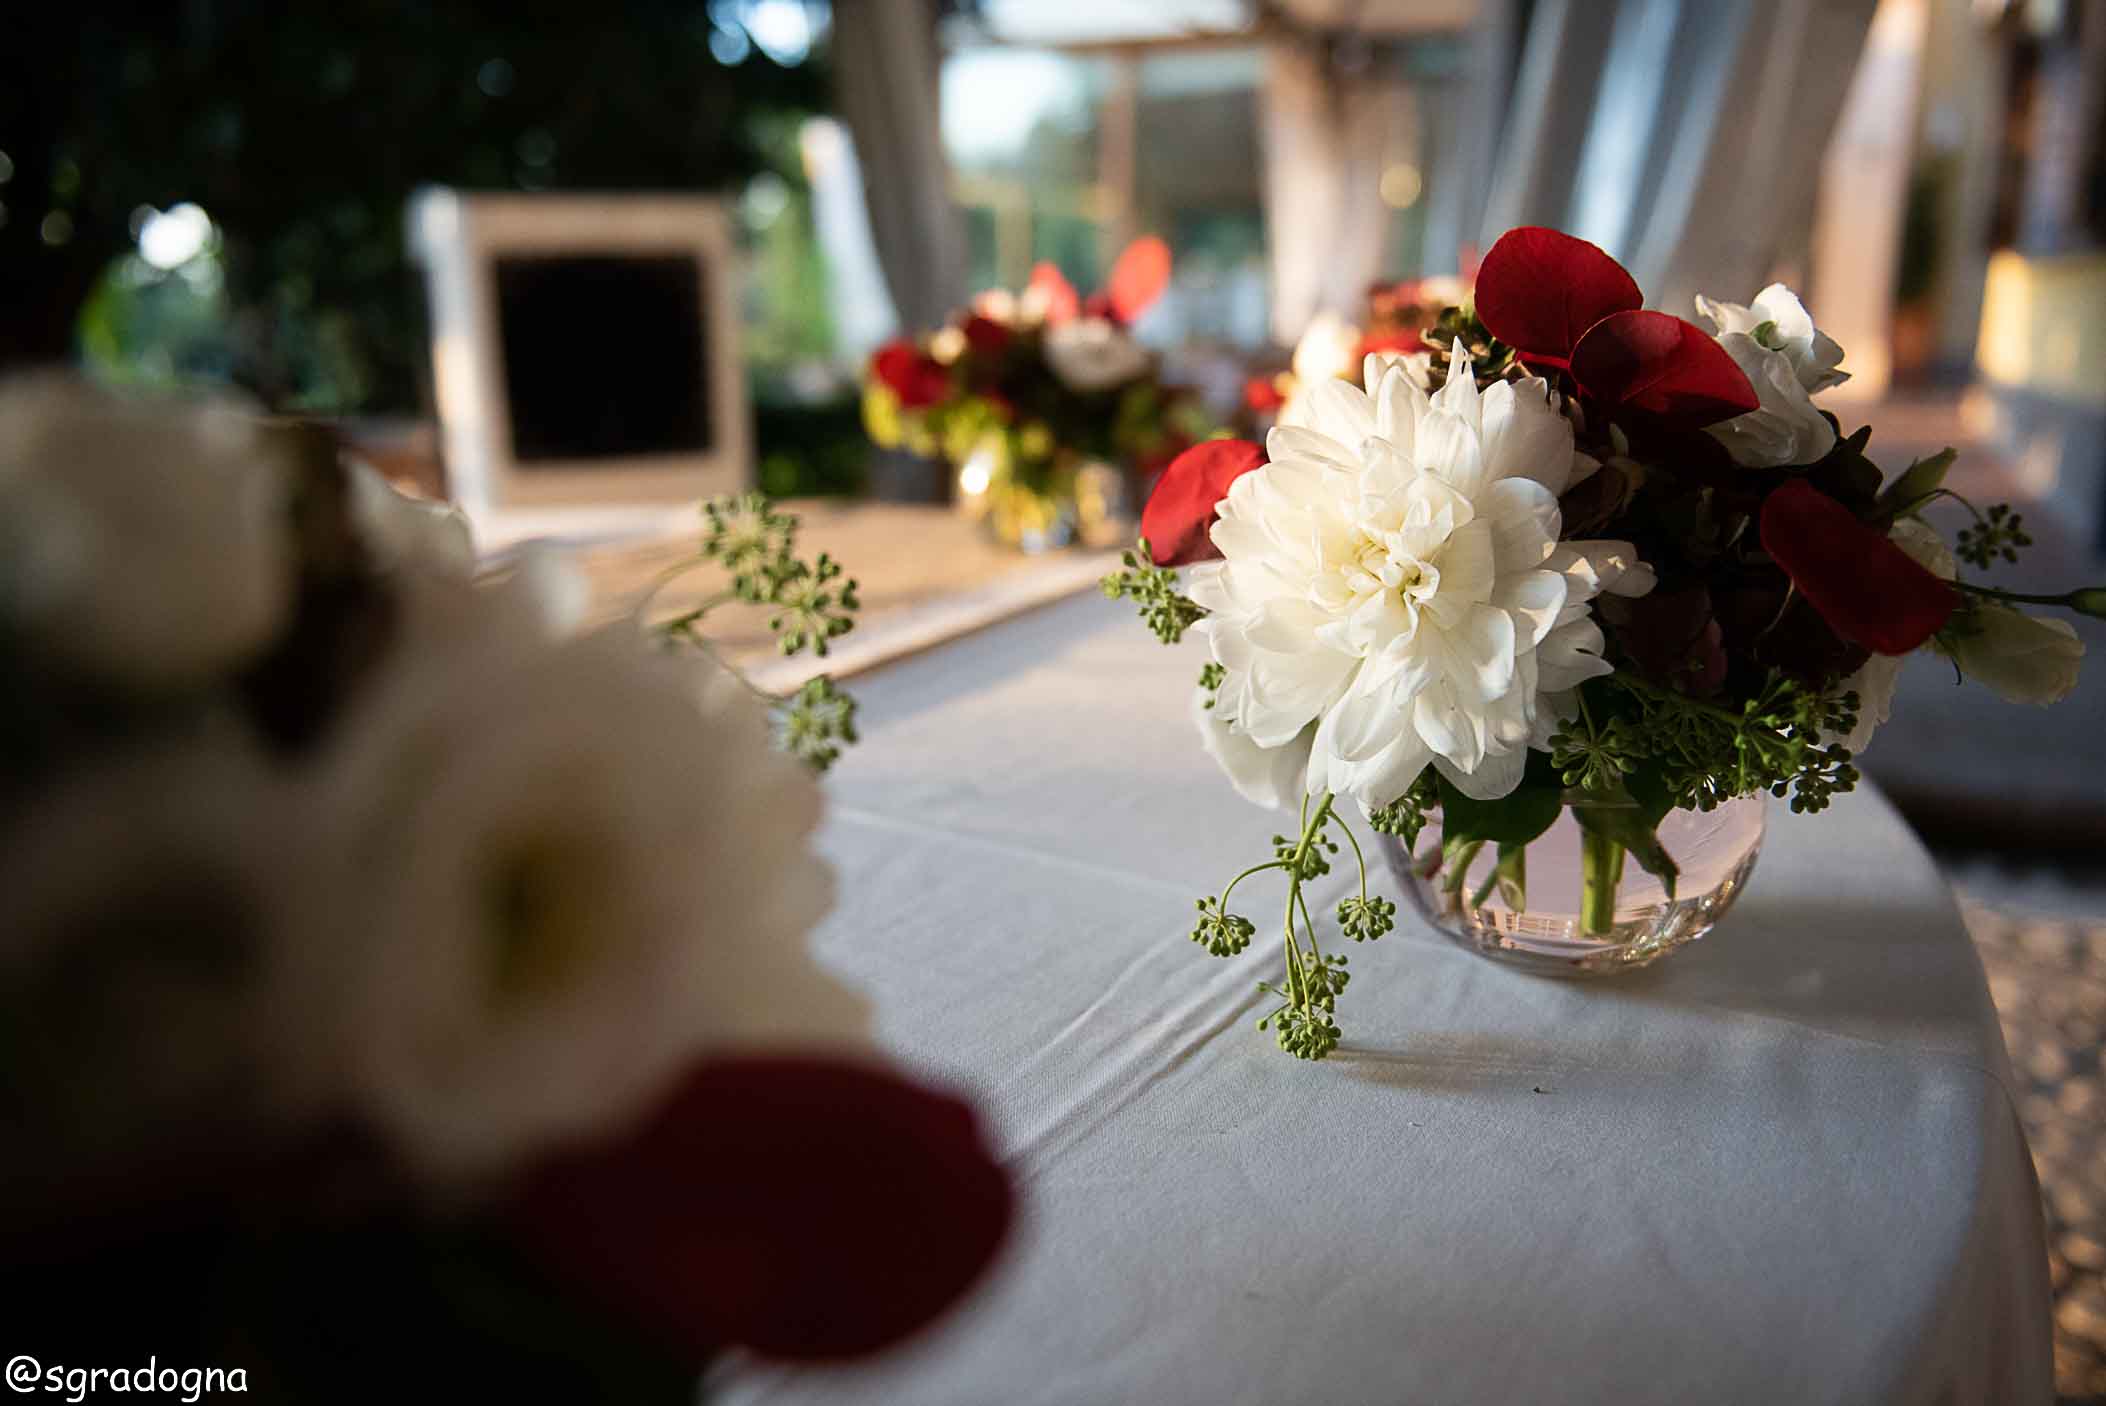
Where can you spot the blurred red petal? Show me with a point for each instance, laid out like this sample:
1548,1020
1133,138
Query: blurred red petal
986,336
1262,394
1662,366
1062,303
1539,290
1872,592
800,1207
1138,277
1405,341
918,379
1181,508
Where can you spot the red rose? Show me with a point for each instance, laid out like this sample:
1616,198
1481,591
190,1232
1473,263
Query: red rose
1181,508
1870,591
915,377
800,1207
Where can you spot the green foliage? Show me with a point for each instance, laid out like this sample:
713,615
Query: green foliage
1405,816
302,129
1697,754
1515,818
814,604
1303,856
1219,931
816,722
1917,484
809,602
1166,611
1365,919
1999,532
1211,677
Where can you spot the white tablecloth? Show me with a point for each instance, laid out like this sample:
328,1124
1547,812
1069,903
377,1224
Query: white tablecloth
1782,1167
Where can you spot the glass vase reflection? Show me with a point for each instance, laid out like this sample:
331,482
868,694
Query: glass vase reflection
1571,904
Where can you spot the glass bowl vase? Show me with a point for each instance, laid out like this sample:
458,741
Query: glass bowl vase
1572,903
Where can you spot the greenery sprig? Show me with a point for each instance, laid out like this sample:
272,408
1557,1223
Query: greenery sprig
1698,754
809,604
1165,610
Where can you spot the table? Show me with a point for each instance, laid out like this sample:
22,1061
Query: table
1782,1167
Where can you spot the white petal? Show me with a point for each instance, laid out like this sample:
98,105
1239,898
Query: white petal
1523,437
1459,396
1535,599
1447,445
1495,776
1340,410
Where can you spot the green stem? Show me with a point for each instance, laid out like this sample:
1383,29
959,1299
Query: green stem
2067,598
1601,870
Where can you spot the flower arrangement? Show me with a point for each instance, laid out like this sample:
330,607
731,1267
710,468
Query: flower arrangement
1027,393
1587,556
1398,318
404,980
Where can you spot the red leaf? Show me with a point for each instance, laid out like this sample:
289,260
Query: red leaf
1539,291
917,378
1062,302
802,1207
1661,366
1869,590
1181,508
1138,277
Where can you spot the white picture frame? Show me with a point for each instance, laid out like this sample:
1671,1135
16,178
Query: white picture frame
465,242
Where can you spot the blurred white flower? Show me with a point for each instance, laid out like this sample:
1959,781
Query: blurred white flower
1787,359
1394,577
406,532
580,864
1094,354
145,539
160,954
2025,658
1328,347
1875,679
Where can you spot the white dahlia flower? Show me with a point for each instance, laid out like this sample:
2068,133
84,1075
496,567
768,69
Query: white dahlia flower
1392,591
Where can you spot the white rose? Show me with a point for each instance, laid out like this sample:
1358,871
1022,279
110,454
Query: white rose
1786,359
1875,680
402,531
1394,578
2025,658
580,865
145,539
1094,354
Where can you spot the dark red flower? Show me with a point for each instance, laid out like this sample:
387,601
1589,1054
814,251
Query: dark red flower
1181,508
911,374
1870,591
1663,367
1138,277
800,1207
987,337
1539,290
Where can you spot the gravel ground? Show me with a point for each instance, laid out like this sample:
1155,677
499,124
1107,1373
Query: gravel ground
2046,960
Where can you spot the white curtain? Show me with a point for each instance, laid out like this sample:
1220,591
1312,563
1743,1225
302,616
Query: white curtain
885,64
1684,136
